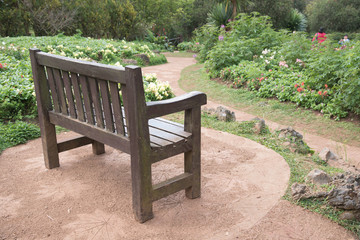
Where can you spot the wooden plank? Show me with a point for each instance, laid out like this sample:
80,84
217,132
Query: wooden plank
106,102
91,69
192,159
176,104
95,97
135,109
170,122
48,133
113,140
171,186
87,100
74,142
160,153
52,85
60,89
159,142
168,127
69,94
164,135
118,116
78,98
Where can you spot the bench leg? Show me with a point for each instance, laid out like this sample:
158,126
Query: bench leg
49,143
192,158
98,148
192,165
141,189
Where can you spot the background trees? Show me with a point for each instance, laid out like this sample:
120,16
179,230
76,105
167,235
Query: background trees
132,19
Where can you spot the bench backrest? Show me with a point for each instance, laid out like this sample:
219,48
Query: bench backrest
89,93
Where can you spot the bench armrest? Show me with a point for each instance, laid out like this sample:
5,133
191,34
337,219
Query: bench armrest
176,104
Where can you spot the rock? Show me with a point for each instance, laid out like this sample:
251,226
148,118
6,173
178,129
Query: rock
344,198
289,132
143,57
350,215
318,177
298,190
327,155
259,126
224,114
129,62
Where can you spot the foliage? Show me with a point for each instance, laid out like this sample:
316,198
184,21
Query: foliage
286,66
278,11
17,97
14,133
14,20
297,21
340,15
220,14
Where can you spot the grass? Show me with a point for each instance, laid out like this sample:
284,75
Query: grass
300,164
195,78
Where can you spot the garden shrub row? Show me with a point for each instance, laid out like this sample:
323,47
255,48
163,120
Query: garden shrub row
287,65
17,97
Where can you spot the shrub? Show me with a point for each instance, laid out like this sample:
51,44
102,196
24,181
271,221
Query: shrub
14,133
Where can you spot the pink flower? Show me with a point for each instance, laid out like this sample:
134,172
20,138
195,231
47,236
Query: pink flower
326,86
302,84
299,89
299,60
222,26
197,43
1,66
283,63
221,38
319,92
194,56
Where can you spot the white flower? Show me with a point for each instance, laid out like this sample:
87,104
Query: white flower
118,64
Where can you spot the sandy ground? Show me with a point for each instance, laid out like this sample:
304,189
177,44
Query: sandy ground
89,197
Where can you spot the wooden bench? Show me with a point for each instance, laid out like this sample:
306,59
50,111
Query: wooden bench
85,97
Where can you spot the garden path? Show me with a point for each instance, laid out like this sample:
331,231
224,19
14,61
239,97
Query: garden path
284,220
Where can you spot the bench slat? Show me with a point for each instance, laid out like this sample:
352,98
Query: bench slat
168,126
105,97
87,100
78,99
164,135
93,132
159,142
52,86
60,89
116,102
69,94
95,97
91,69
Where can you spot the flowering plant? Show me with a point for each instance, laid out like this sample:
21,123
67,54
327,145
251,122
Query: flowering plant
156,90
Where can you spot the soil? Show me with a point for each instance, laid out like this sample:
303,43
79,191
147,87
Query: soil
89,197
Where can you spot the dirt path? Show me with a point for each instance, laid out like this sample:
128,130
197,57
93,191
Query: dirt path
284,221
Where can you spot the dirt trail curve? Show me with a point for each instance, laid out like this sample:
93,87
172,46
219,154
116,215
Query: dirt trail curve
284,220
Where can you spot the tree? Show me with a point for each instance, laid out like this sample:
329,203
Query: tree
279,10
339,15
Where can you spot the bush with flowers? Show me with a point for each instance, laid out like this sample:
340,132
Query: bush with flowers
249,53
156,90
17,97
